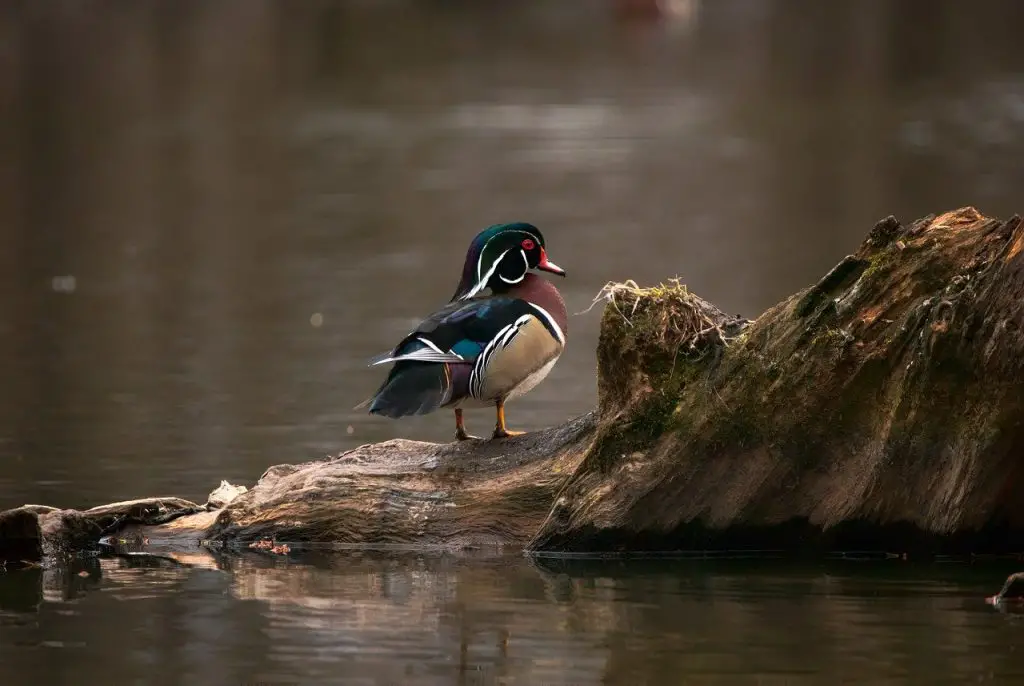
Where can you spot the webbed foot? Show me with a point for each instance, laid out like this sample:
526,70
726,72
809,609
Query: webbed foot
499,428
460,429
506,433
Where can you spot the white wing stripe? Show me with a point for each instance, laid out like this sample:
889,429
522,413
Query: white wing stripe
502,338
433,346
429,344
421,355
519,323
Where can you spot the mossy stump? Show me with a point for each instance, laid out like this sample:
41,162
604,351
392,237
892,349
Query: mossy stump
880,408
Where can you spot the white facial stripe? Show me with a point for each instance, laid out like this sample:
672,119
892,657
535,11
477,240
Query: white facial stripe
550,320
526,268
482,283
480,262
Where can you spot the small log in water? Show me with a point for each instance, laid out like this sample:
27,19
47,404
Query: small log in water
880,409
31,533
1011,594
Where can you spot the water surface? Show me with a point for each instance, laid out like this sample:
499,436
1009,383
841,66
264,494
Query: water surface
404,619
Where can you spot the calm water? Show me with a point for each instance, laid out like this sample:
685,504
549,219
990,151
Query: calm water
426,619
213,213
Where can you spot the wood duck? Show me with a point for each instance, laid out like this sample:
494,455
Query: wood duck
481,350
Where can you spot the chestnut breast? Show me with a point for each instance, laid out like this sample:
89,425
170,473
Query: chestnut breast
542,293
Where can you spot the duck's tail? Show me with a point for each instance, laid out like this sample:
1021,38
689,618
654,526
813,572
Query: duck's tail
414,388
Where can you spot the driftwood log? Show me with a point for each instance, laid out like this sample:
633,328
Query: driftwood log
881,408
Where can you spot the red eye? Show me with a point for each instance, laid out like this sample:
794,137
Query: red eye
528,244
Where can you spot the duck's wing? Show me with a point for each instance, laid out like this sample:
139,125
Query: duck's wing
459,332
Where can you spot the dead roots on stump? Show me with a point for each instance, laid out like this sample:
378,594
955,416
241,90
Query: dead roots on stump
880,408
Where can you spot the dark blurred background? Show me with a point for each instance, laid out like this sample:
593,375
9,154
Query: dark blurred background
213,213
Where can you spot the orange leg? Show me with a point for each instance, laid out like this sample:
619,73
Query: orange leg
499,428
460,428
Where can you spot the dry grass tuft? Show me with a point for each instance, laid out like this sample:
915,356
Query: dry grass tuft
667,314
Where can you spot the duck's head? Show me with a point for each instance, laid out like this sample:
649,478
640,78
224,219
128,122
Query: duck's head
500,256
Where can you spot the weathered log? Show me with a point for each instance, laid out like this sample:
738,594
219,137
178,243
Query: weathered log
879,409
469,493
882,407
475,492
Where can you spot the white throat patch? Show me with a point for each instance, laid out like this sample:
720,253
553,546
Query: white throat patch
526,268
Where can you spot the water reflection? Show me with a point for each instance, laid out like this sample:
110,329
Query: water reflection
424,618
189,183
